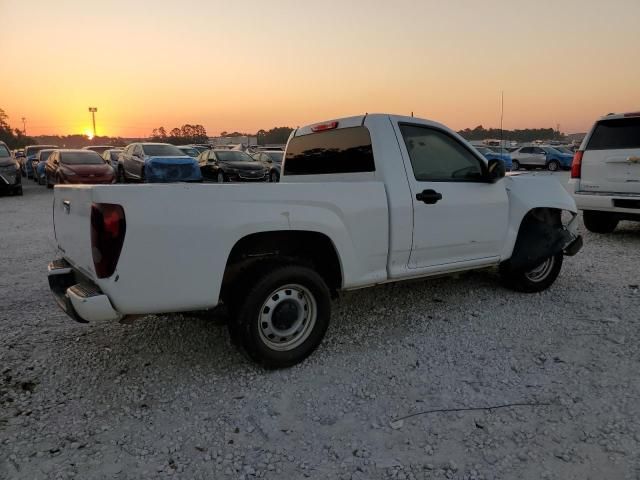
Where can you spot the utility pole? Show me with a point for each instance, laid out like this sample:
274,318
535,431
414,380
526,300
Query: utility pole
93,111
24,126
501,119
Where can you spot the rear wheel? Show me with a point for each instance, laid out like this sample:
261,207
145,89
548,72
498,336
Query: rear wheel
599,222
534,279
121,177
274,177
284,316
553,166
515,165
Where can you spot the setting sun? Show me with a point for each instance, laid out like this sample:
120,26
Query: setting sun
88,133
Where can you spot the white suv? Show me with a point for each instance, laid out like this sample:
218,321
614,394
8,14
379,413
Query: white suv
606,172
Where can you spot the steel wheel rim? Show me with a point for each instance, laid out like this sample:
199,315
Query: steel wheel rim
281,335
542,271
553,166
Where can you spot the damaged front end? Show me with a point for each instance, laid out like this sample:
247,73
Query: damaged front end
542,235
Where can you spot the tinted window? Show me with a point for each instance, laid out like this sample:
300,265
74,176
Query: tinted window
619,133
192,152
88,157
33,150
4,151
274,156
44,154
436,156
347,150
162,150
526,150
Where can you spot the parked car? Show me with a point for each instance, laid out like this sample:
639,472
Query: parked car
490,154
10,177
190,150
363,200
30,153
605,176
272,160
231,166
38,165
157,163
98,148
69,166
111,157
540,157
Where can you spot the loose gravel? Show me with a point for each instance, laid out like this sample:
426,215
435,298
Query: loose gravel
168,396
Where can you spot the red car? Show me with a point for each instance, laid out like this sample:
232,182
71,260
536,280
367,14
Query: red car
77,166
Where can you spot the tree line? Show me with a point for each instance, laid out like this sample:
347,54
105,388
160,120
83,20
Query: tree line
179,136
13,137
526,135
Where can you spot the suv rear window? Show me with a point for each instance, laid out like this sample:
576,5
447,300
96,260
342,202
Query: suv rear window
346,150
616,134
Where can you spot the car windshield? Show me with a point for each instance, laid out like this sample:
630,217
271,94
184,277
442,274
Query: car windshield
33,150
162,150
550,150
275,156
233,156
4,151
87,157
44,154
192,152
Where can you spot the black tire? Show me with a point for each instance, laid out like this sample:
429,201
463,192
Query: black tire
274,177
220,177
41,181
18,191
515,165
599,222
121,176
535,279
46,177
553,166
264,328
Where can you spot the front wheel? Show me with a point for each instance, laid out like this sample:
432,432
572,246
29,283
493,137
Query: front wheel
515,165
534,279
283,317
220,177
274,177
553,166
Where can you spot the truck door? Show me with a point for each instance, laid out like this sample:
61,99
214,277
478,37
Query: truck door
458,216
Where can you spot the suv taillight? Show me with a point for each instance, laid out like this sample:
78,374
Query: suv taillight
108,227
576,165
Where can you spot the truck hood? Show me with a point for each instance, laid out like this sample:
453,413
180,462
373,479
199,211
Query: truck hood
531,190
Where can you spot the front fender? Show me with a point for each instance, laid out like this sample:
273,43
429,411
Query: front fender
527,192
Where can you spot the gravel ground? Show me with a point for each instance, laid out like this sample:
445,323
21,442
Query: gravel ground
169,395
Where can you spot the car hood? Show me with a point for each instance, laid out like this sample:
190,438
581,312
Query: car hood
177,160
102,169
6,162
252,166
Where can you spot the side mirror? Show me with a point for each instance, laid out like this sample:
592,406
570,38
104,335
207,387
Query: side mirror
496,170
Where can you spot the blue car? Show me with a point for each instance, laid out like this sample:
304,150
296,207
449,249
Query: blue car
491,155
157,163
38,165
554,155
31,154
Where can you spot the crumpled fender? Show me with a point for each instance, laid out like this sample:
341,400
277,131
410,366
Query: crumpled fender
527,192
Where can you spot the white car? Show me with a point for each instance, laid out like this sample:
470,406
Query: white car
605,175
363,200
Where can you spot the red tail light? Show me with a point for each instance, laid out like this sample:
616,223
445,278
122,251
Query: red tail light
576,165
108,227
321,127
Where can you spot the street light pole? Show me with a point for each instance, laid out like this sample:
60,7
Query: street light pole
93,111
24,126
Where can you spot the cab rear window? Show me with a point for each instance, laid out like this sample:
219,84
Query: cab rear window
616,134
346,150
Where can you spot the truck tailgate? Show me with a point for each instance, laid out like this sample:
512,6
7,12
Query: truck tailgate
72,224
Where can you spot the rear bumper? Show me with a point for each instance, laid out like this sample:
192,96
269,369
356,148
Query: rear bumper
77,296
626,205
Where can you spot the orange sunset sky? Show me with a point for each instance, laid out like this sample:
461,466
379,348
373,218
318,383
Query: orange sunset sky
250,64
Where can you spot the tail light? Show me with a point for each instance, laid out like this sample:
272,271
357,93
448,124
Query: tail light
321,127
108,227
576,165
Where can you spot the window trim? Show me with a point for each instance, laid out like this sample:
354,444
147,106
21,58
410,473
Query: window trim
483,164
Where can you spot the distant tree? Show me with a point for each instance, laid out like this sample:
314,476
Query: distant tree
277,135
14,138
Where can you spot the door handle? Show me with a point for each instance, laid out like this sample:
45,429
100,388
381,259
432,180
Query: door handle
429,196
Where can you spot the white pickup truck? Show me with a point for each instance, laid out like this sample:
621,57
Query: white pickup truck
363,201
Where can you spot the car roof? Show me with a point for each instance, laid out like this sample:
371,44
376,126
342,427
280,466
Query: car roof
358,120
615,116
76,150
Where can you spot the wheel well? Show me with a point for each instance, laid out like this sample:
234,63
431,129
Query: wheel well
264,249
541,234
